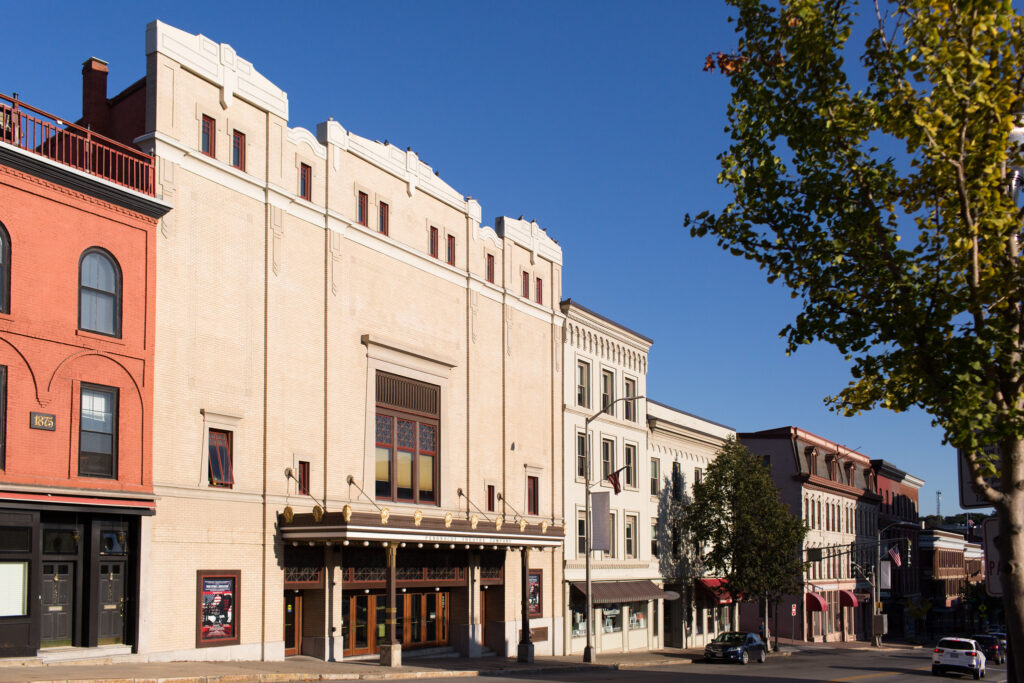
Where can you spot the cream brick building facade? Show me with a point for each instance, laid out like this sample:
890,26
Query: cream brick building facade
333,315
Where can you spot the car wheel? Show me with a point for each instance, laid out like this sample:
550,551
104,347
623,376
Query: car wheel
761,657
936,671
744,657
977,674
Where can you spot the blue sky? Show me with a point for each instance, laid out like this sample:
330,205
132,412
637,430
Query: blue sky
594,118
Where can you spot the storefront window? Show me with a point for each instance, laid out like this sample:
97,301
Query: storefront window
637,616
611,618
578,607
14,596
724,612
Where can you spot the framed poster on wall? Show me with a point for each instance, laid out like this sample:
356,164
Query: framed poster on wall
534,584
217,602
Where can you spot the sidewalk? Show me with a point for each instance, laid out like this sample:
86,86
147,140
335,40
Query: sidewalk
309,669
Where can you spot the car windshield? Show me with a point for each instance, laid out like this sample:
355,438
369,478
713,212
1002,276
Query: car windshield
956,645
731,638
985,640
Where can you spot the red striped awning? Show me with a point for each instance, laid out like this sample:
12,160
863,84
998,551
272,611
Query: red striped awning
847,599
816,603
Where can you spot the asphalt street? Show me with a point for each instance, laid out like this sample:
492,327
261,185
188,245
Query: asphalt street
834,666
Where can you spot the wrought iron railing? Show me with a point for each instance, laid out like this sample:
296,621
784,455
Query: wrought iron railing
51,137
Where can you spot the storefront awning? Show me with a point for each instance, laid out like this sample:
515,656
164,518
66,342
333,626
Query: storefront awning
717,589
816,603
608,592
847,599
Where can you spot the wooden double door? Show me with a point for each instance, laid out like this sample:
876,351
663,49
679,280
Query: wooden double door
63,609
422,621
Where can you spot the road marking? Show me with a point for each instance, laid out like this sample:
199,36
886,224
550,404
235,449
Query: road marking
874,675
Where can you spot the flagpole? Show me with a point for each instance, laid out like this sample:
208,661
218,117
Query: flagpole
588,651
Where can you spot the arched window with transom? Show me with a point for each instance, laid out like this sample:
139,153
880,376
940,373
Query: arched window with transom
99,293
5,270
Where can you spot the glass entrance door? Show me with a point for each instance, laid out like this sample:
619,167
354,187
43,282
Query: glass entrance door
422,621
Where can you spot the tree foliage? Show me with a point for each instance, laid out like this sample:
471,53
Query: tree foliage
741,529
876,182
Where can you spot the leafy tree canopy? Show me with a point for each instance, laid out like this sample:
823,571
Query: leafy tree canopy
743,532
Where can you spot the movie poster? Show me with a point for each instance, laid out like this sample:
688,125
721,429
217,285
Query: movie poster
217,594
533,590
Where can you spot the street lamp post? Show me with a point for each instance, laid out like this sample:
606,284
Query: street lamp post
588,651
876,637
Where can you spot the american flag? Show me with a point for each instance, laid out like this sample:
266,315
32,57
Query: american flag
894,553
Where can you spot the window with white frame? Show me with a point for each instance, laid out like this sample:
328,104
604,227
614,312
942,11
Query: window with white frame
631,529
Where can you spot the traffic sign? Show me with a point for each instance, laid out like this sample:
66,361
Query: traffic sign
969,498
792,610
990,532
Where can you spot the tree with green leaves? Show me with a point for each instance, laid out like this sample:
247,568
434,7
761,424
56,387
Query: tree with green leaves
741,529
877,180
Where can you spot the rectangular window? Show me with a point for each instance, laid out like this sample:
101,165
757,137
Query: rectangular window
539,287
3,417
611,535
306,182
490,268
407,429
630,472
382,218
581,533
208,137
607,458
362,209
304,477
97,435
655,477
677,481
221,459
630,538
490,497
532,496
432,245
654,538
698,475
238,150
449,250
607,390
526,285
583,384
581,455
629,409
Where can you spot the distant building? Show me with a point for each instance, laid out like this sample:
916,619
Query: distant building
950,565
900,525
78,223
833,490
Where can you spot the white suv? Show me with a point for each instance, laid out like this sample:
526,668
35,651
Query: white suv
960,655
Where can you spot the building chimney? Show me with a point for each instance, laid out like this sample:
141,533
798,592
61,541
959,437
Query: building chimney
95,112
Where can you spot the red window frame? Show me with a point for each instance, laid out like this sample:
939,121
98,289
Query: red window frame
221,465
238,150
490,268
304,477
432,244
416,452
540,291
363,209
533,495
449,250
490,497
382,218
208,136
306,181
526,285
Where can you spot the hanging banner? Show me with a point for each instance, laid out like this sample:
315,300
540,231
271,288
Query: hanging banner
599,513
886,575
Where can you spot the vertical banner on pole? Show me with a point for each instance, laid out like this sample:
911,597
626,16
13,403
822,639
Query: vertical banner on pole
599,511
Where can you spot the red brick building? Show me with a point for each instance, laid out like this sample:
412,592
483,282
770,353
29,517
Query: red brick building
900,528
77,277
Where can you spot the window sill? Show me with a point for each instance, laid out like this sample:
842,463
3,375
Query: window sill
95,336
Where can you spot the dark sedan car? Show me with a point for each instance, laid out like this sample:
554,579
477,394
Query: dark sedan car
736,646
993,648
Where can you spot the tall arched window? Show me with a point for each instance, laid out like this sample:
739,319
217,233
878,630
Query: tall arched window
99,293
5,270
